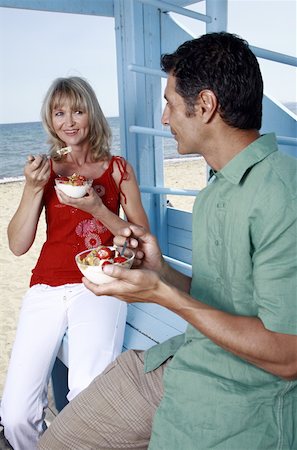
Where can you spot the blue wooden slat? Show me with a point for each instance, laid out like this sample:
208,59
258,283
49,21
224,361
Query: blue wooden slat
168,191
178,265
171,7
151,327
181,254
136,340
274,56
179,219
162,314
184,2
180,238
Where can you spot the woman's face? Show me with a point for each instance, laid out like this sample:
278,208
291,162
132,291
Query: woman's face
70,125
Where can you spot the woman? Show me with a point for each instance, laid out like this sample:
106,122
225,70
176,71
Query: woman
57,300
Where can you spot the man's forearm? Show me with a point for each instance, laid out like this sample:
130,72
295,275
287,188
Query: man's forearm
243,336
175,278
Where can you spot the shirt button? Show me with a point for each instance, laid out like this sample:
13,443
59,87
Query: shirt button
217,242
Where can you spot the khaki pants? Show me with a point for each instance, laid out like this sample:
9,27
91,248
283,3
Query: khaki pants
114,412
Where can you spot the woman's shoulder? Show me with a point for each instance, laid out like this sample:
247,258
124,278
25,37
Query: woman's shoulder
119,166
119,160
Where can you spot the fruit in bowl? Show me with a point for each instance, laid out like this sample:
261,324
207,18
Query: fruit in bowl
75,186
91,262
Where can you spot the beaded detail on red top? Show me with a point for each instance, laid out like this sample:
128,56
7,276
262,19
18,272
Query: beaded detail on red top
70,230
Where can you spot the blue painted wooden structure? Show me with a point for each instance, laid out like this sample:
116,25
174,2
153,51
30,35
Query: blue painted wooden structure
144,30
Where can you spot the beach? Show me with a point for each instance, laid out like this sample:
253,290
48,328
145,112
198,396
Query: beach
16,271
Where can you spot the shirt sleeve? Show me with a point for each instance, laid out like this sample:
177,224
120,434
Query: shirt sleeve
158,354
274,236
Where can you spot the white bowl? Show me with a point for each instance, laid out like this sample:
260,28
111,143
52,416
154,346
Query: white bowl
95,273
71,190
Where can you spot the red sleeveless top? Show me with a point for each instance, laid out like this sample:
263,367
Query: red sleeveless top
70,230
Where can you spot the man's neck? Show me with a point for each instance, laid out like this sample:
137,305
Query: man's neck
227,145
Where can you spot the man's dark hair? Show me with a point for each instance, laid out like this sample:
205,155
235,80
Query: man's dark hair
223,63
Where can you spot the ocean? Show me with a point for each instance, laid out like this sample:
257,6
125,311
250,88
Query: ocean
17,140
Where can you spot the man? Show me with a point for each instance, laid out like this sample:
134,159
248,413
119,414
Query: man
229,382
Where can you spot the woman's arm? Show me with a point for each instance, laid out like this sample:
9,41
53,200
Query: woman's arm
23,225
133,207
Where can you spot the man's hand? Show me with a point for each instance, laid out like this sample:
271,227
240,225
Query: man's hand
147,251
135,285
129,285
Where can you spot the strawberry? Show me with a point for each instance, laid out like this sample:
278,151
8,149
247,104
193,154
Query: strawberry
106,263
63,179
105,253
120,259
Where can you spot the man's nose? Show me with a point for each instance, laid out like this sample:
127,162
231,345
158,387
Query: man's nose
165,116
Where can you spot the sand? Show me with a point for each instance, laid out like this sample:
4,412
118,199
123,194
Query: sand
15,271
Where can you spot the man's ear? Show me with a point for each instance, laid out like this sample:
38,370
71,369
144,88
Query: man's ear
206,105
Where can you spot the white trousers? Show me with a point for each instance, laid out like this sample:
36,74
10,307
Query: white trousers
95,327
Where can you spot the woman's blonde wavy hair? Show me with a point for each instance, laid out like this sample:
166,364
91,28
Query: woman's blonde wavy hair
81,97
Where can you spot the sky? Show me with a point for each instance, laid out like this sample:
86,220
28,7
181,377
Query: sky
37,47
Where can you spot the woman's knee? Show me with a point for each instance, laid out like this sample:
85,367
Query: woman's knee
14,420
18,417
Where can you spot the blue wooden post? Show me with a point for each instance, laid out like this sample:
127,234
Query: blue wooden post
138,43
218,11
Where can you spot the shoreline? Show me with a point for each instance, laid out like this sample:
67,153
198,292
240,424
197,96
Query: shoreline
167,161
6,180
15,271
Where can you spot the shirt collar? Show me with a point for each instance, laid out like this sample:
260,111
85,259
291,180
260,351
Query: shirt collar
258,150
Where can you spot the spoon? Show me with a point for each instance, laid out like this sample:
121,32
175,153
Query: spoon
124,247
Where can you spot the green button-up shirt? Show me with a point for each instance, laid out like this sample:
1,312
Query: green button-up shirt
244,263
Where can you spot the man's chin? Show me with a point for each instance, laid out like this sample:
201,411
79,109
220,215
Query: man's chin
182,150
